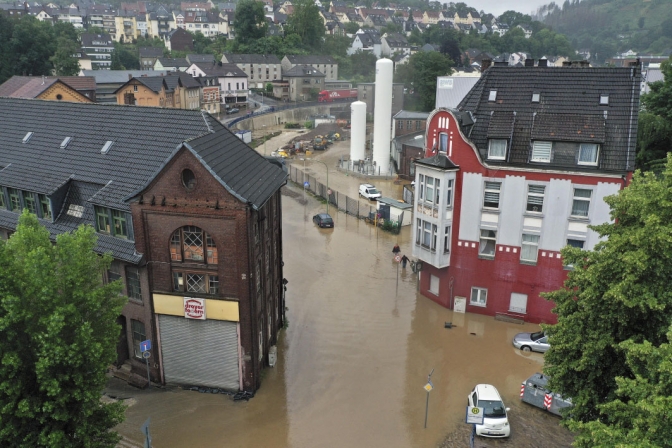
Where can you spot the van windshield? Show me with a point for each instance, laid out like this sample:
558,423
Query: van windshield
492,409
373,191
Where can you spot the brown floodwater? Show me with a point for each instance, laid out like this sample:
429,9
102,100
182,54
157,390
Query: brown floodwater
354,359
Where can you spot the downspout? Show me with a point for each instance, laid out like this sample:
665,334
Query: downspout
250,270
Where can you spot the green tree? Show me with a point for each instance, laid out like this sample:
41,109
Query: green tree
351,27
618,292
65,64
420,74
30,47
202,44
654,133
6,55
250,22
638,417
57,337
269,87
306,23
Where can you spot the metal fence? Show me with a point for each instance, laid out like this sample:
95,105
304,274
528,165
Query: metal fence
364,168
345,203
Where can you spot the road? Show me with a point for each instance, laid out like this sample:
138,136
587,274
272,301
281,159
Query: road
355,356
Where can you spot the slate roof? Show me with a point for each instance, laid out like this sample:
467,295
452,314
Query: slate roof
252,59
410,115
174,62
450,94
150,52
145,138
304,71
569,110
296,59
396,40
118,76
200,58
438,161
221,70
25,86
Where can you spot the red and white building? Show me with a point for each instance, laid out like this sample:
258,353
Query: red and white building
518,172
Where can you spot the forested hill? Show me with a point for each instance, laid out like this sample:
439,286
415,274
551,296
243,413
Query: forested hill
607,27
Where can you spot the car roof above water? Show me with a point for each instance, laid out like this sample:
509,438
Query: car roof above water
487,392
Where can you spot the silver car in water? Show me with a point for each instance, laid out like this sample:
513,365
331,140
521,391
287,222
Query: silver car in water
531,342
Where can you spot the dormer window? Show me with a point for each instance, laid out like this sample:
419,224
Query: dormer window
497,149
536,97
493,95
588,154
604,99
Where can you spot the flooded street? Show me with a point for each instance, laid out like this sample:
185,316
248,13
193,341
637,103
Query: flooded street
353,362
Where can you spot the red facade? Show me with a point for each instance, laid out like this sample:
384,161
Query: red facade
505,274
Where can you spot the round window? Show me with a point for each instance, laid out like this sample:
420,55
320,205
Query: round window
59,97
188,179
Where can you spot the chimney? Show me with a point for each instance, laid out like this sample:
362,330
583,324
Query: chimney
485,64
543,63
130,76
529,62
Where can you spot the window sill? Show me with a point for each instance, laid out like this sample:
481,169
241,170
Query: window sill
518,312
482,305
528,263
579,218
486,257
490,210
529,214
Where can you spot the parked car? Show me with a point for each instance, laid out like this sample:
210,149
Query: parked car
495,418
369,191
233,110
323,220
532,342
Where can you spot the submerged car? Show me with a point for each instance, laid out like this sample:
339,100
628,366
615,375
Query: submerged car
323,220
532,342
495,418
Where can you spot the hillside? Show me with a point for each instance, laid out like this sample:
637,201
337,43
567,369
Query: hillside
606,27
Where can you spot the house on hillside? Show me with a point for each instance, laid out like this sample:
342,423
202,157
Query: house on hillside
366,40
178,40
232,80
190,214
304,82
99,48
517,172
325,64
148,57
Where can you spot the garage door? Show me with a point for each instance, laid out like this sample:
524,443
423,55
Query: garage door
199,352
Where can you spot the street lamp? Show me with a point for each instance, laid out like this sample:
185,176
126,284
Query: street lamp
263,127
327,167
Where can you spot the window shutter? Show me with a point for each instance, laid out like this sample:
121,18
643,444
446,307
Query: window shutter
541,151
518,303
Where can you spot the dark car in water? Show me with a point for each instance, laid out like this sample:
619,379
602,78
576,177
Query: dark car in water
323,220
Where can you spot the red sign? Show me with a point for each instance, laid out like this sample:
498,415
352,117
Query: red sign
194,308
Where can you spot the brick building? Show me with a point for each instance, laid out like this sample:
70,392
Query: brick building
190,214
518,172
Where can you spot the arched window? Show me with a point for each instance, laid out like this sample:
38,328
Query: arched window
191,243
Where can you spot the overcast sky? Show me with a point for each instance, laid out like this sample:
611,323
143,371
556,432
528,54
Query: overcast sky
497,7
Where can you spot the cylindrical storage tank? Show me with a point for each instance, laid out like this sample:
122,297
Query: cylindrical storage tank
382,115
358,130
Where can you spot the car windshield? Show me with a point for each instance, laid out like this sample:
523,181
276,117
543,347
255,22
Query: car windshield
537,335
373,191
492,409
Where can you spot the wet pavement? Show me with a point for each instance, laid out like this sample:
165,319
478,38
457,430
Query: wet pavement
353,362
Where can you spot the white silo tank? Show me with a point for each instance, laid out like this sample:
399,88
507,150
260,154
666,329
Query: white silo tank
382,115
358,130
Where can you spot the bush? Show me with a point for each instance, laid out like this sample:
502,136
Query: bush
308,125
292,125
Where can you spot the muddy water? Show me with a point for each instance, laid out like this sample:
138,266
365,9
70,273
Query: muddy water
354,360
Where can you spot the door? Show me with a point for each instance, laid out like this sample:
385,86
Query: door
122,342
199,352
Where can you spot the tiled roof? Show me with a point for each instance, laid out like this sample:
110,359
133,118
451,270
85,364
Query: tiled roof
438,161
78,82
25,86
568,110
174,62
119,76
145,138
252,59
200,58
221,70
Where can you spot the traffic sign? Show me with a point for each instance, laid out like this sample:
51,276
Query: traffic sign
397,258
146,354
145,345
306,184
429,386
474,415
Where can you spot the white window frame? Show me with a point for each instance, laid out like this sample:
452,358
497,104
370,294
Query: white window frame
499,141
535,194
421,185
449,193
524,244
446,240
435,231
582,199
490,189
541,147
583,243
443,147
518,309
429,189
481,297
483,238
597,153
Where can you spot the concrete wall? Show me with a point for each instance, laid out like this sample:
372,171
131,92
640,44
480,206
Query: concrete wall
298,115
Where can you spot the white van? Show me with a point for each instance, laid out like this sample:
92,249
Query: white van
369,191
496,420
